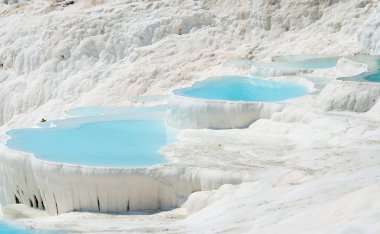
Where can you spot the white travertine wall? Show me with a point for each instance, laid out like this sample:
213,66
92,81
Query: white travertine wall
61,188
187,112
105,52
369,34
95,52
348,96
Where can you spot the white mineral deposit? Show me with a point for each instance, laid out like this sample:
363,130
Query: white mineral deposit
300,163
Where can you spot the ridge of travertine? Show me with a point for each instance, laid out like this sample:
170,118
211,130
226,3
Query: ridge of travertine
106,52
304,170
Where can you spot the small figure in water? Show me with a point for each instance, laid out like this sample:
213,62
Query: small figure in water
43,120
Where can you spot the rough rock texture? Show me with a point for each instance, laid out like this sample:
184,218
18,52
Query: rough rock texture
60,188
348,96
313,171
105,52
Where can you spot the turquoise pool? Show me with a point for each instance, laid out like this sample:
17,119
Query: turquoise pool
310,61
365,77
115,140
292,62
304,57
372,77
6,228
237,88
88,111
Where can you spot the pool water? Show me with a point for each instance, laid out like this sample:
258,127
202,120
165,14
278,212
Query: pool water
365,77
309,61
6,228
152,98
373,77
97,141
292,63
304,57
103,110
88,111
237,88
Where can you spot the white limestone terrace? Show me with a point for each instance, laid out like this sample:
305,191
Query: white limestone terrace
59,188
69,54
186,110
310,170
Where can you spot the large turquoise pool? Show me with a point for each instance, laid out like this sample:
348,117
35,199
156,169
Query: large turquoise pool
121,141
237,88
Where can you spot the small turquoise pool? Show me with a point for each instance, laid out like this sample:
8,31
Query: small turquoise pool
6,228
305,57
292,62
237,88
103,110
116,142
373,77
365,77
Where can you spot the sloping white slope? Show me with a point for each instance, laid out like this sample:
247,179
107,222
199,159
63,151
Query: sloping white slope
315,171
60,188
104,52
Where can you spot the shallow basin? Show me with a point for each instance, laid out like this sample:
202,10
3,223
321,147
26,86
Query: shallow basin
229,102
292,62
237,88
97,141
365,77
9,228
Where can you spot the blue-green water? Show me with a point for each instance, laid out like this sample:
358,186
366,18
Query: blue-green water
88,111
292,63
305,57
310,61
104,110
365,77
237,88
83,115
7,228
130,142
372,77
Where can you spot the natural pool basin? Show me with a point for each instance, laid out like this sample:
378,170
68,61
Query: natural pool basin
237,88
309,62
10,228
88,111
121,141
372,77
229,102
366,77
292,62
305,57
